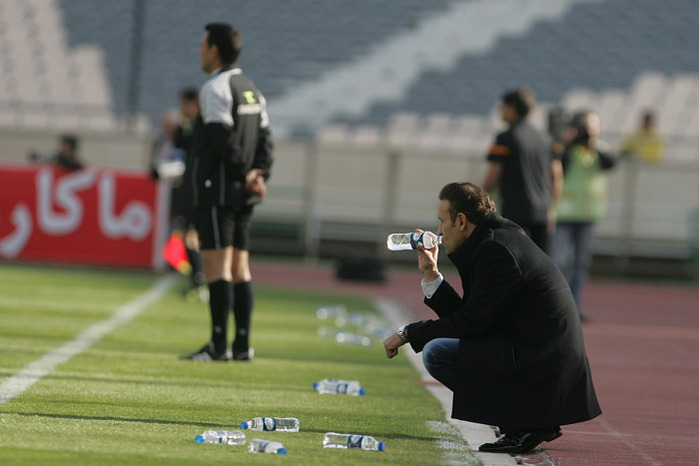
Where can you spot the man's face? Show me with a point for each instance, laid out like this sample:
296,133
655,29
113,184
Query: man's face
188,108
207,55
452,235
507,113
66,149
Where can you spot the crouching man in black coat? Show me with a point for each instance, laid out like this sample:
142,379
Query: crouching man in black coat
511,348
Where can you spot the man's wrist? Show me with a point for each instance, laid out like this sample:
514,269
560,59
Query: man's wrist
402,332
431,275
429,288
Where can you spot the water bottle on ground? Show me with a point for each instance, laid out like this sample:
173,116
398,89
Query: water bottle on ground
365,442
337,386
330,311
266,446
344,337
280,424
228,437
408,241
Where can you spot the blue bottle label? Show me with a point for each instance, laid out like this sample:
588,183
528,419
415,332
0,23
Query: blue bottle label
355,441
415,239
269,423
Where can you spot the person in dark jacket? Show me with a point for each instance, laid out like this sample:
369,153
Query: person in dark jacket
511,348
524,168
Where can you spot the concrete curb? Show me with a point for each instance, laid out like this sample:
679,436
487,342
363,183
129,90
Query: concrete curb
474,434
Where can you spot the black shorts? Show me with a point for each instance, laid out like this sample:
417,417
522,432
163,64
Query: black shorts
220,227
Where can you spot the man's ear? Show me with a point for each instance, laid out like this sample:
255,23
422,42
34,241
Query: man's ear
461,221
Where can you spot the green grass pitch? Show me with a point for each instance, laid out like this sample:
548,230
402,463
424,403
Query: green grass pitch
127,399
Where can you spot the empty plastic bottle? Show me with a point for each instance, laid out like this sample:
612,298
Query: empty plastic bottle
335,440
408,241
229,437
330,311
344,337
280,424
266,446
337,386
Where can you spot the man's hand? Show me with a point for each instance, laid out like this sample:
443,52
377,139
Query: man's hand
427,261
255,182
391,344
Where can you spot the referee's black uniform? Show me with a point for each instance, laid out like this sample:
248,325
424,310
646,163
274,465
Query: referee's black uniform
231,137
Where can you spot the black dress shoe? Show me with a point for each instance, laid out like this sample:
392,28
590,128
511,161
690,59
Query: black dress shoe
521,442
209,353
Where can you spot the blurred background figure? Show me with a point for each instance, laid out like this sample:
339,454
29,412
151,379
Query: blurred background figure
66,155
523,166
167,163
644,143
583,200
182,139
172,163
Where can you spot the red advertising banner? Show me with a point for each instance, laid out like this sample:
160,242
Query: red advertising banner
91,216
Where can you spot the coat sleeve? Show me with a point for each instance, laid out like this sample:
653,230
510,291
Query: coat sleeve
445,300
263,154
496,281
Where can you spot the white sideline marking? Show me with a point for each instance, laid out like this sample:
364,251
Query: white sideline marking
35,371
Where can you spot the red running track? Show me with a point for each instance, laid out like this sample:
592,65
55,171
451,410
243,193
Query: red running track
643,344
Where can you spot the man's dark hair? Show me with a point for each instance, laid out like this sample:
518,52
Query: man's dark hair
649,117
227,39
70,140
189,94
521,99
581,123
468,199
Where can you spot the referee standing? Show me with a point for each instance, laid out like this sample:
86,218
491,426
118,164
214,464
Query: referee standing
232,156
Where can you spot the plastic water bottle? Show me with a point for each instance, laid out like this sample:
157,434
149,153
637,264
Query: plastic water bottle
330,311
337,386
280,424
408,241
344,337
229,437
334,440
266,446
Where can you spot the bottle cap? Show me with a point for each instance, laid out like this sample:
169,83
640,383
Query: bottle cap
315,385
281,451
382,446
199,439
362,391
243,425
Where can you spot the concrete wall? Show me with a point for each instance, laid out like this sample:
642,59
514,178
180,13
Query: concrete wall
349,193
114,150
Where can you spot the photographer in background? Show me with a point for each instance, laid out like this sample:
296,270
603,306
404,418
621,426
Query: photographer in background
65,157
583,200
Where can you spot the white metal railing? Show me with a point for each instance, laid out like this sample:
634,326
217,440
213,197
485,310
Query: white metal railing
353,193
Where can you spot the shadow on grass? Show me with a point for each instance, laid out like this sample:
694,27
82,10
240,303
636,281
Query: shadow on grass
196,383
118,419
210,425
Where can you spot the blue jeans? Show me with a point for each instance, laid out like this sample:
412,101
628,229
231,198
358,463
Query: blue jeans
439,357
574,239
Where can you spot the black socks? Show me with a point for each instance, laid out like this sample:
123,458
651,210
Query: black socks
243,300
224,296
198,277
220,302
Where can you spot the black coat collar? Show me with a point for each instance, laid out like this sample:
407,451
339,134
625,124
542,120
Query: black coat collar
483,230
